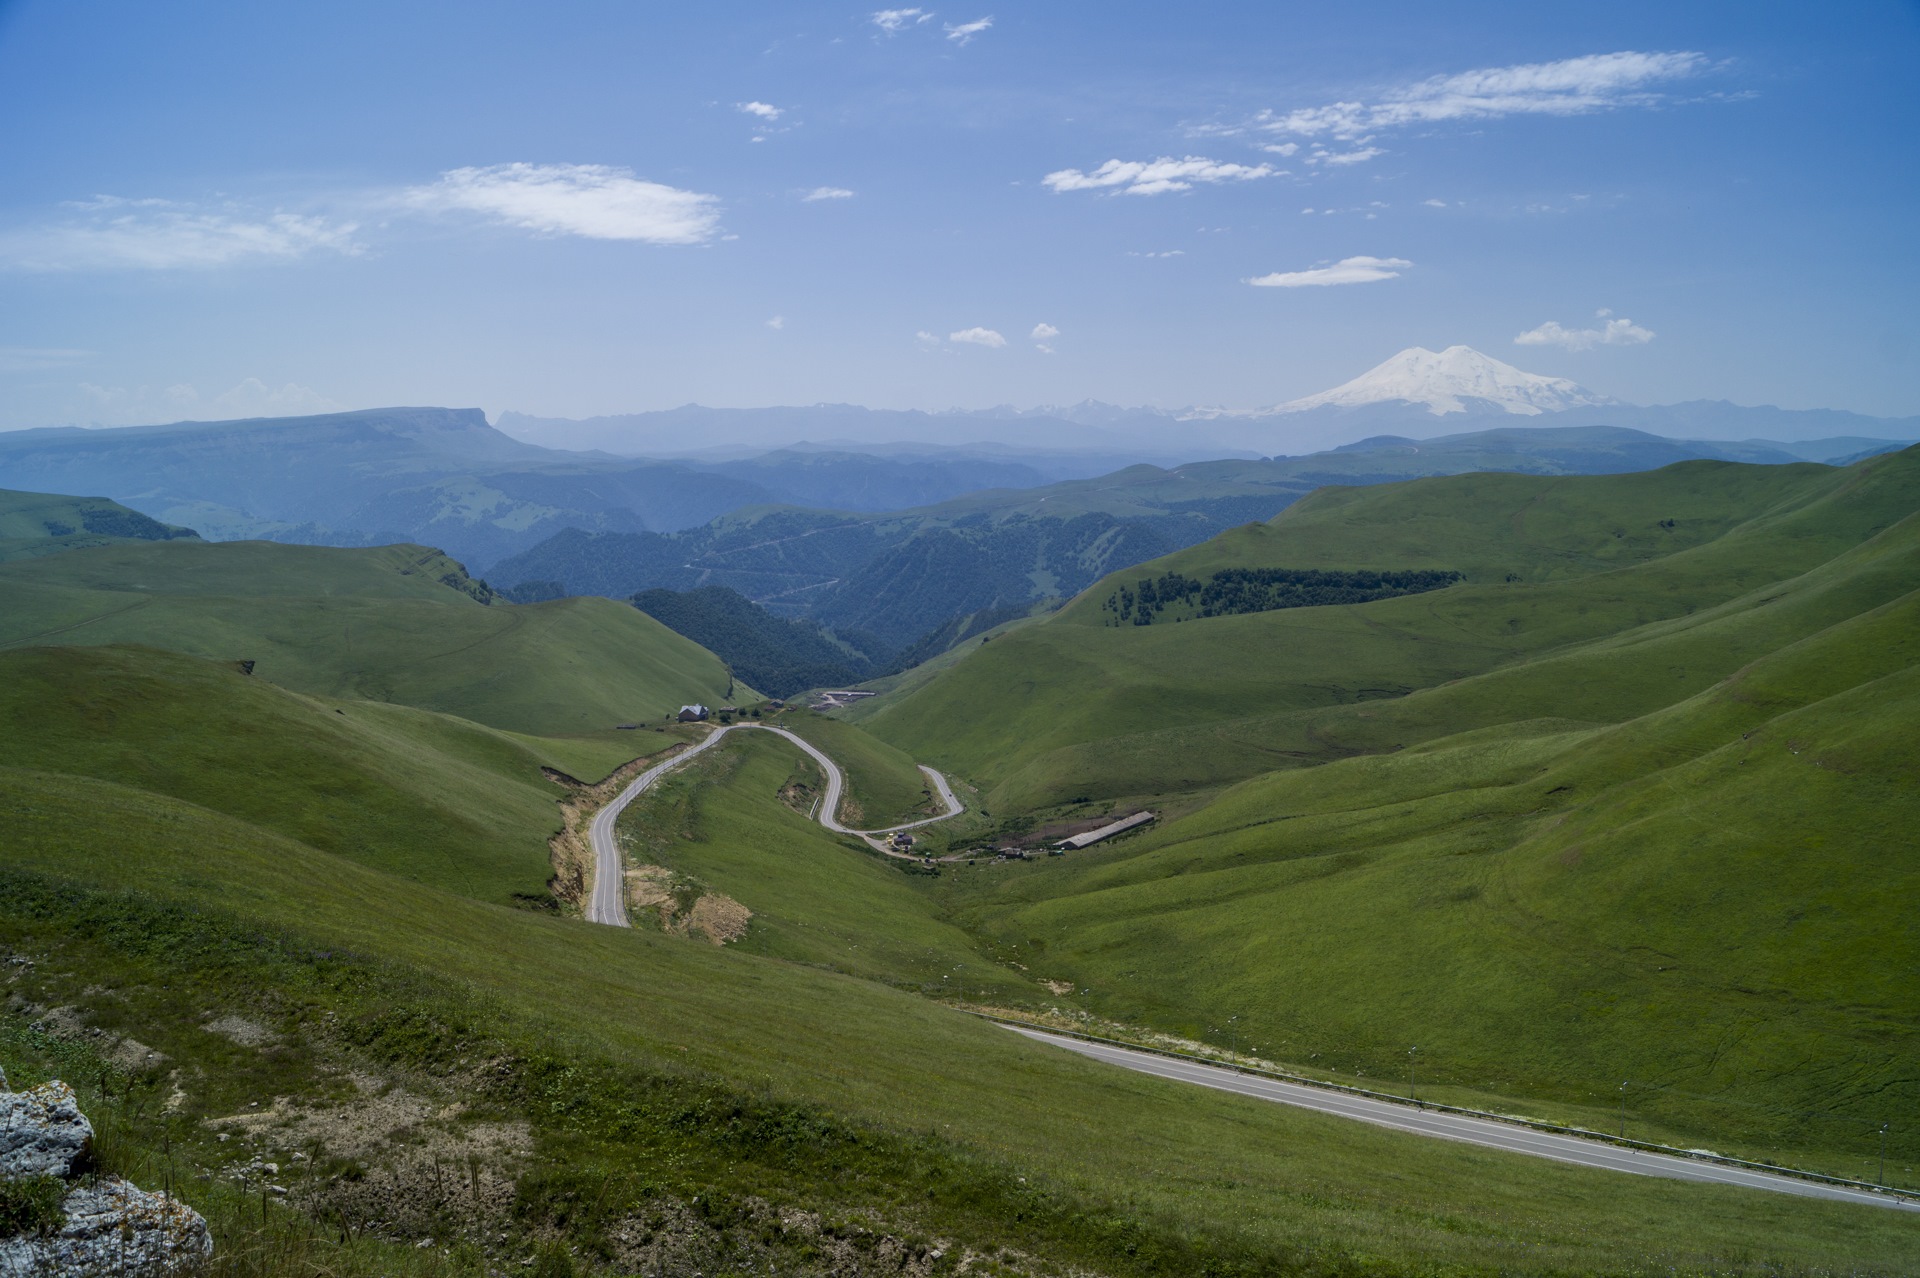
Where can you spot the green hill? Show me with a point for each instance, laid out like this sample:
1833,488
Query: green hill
1642,814
1707,901
401,624
1076,705
33,524
777,655
660,1084
422,796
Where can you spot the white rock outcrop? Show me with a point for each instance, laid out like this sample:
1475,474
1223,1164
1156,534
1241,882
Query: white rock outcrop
42,1132
110,1226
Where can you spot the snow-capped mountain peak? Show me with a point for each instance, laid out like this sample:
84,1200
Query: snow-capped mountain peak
1456,380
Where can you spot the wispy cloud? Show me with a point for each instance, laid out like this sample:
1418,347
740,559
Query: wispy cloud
595,201
963,33
108,233
827,193
1572,86
1164,253
34,359
1042,334
1340,159
1610,332
1348,270
978,337
1155,177
777,323
763,110
895,20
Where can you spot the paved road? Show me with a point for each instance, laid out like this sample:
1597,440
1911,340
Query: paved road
1476,1131
608,904
608,901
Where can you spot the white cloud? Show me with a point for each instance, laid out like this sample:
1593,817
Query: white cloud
1349,270
595,201
777,323
827,193
157,235
1281,148
928,341
978,337
1435,204
1155,177
33,359
1342,158
893,20
763,110
1044,333
965,32
1573,86
1611,332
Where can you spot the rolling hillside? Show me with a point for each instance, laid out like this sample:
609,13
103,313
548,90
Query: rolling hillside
1705,900
1641,815
425,797
777,655
1560,573
33,524
658,1079
401,624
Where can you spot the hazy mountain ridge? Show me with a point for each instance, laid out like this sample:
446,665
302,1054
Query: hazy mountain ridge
895,577
445,477
1410,393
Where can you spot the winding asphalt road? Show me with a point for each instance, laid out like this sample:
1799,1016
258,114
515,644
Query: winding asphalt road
607,903
1475,1131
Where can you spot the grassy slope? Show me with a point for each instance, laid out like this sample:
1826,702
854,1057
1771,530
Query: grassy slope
1070,707
884,785
1183,1159
1706,899
816,898
423,796
30,524
383,625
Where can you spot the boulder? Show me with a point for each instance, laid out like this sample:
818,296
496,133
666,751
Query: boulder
43,1132
112,1227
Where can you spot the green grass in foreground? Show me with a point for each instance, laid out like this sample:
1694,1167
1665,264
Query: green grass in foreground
654,1068
398,623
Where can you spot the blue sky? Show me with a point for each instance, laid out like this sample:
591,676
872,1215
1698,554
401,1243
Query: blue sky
575,208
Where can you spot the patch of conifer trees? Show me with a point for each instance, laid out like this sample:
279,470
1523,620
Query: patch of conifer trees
1239,590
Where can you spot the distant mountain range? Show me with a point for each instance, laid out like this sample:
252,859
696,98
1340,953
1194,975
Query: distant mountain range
1415,393
444,477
